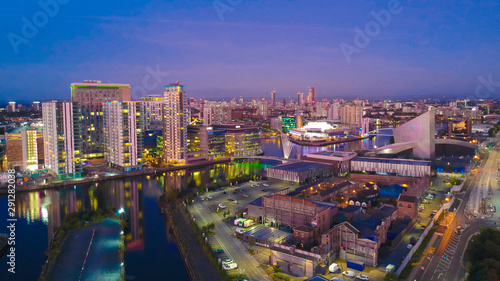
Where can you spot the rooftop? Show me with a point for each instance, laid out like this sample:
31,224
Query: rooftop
270,234
299,167
407,198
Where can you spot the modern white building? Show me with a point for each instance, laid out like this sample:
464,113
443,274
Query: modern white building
62,138
123,134
175,122
400,167
419,130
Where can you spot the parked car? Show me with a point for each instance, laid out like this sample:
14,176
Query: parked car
349,273
362,277
229,199
432,215
227,261
265,184
222,206
217,251
224,192
246,195
409,246
235,201
209,197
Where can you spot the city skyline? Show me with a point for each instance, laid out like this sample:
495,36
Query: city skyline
254,48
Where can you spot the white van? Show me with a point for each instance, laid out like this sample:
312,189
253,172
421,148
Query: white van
333,267
229,266
240,230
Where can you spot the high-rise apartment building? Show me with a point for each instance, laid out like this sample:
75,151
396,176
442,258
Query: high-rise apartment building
151,107
175,121
91,94
351,114
123,123
262,108
62,138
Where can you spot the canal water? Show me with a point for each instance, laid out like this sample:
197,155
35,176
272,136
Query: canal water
151,253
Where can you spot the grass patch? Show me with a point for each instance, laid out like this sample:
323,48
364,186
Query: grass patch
252,252
280,277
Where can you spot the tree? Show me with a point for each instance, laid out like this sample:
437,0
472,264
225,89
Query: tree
484,254
277,268
492,132
391,276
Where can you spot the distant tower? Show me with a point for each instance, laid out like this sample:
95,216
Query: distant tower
300,98
273,98
312,95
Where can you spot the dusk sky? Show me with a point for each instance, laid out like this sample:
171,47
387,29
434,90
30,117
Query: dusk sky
426,48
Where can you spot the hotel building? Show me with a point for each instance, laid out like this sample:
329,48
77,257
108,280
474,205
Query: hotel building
62,138
24,149
123,135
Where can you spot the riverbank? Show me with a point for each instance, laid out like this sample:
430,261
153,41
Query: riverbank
152,171
196,260
325,143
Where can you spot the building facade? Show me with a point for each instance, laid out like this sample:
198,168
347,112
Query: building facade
24,150
205,143
240,140
401,167
123,123
91,94
62,137
151,107
175,122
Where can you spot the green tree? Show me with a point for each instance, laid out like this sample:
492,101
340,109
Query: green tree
484,254
277,268
391,276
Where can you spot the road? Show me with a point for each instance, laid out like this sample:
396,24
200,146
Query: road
446,264
234,248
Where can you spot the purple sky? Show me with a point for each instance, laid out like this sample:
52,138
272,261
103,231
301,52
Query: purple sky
426,48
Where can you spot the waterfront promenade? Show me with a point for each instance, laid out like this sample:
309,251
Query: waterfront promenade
86,180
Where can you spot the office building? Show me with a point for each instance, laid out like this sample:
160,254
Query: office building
151,107
91,94
205,143
123,135
36,105
240,140
175,122
62,138
302,171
